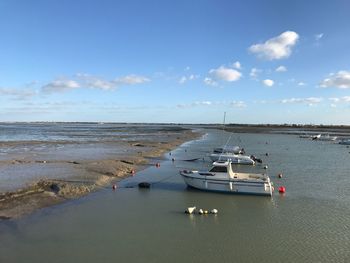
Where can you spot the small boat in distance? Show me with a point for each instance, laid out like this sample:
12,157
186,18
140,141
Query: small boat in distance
221,178
327,138
345,142
316,137
232,153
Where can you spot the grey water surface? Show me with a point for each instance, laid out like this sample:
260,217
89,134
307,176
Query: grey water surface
309,223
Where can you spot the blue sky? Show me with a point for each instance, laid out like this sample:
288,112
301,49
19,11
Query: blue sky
175,61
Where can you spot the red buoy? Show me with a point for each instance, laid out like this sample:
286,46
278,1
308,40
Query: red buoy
280,175
282,189
114,186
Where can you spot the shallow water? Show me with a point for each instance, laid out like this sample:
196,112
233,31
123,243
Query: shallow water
310,223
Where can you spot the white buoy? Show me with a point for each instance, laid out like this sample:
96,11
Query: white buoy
214,211
190,210
201,212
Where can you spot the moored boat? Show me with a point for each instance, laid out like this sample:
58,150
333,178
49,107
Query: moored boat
221,178
234,158
345,142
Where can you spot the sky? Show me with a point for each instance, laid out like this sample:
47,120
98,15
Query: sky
175,61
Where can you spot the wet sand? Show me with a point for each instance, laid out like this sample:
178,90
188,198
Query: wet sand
83,173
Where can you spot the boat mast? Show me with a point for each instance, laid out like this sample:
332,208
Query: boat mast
223,129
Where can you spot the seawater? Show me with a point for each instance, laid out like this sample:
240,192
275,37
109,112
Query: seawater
310,223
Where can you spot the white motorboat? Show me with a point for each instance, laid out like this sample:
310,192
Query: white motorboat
345,142
231,149
316,137
232,153
234,158
221,178
327,138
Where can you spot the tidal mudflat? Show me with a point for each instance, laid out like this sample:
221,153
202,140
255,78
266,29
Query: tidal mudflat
42,164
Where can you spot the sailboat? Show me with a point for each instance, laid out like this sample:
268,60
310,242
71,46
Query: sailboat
235,154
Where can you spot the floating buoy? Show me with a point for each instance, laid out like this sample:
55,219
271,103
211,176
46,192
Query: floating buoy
169,153
144,185
214,211
267,154
132,172
190,210
201,212
114,186
265,167
157,165
282,189
173,159
280,175
205,212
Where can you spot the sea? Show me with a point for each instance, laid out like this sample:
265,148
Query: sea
310,222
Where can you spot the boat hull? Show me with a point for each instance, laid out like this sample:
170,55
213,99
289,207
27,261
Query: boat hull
229,186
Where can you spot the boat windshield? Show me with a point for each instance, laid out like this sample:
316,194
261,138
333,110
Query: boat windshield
218,169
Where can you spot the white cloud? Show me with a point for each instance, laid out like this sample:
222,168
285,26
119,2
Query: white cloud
345,99
276,48
340,80
131,80
310,101
281,69
195,104
225,74
210,82
318,36
187,68
18,94
254,72
60,85
238,104
182,80
268,82
301,83
237,65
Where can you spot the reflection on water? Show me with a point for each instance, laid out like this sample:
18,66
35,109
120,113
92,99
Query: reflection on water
310,223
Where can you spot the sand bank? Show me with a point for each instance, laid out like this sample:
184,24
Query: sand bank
83,175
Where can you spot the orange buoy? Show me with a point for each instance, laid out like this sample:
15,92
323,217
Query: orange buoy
280,175
281,189
114,186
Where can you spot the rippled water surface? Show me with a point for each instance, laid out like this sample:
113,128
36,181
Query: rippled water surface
310,223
